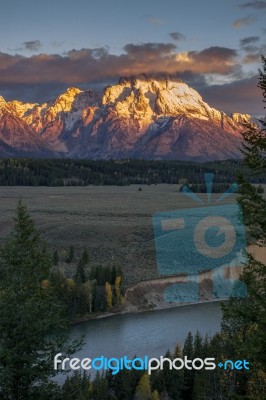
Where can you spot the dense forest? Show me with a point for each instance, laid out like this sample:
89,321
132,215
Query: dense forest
67,172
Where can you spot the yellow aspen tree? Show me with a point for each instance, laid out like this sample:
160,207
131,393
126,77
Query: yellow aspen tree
109,294
143,391
118,282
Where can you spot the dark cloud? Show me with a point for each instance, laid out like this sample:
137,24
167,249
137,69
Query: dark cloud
177,36
45,74
250,49
96,64
249,40
240,96
33,45
217,60
214,53
31,92
255,58
253,54
149,50
252,58
259,5
239,23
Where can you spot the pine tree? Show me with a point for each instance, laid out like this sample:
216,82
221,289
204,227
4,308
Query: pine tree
76,386
80,276
198,345
55,258
188,350
254,208
70,255
244,322
176,386
33,323
84,258
100,387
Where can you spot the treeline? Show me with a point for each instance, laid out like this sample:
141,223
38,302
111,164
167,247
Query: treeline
172,384
90,289
67,172
216,187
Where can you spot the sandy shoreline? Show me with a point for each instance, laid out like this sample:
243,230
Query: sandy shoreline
258,252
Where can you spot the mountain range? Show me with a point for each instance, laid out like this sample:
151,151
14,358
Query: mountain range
138,117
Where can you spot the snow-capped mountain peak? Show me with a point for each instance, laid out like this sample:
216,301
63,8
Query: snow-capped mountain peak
138,117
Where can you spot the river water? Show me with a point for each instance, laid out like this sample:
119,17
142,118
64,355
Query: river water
149,333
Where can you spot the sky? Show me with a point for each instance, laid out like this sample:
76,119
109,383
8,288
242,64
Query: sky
214,46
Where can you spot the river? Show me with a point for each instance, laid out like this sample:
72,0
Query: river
149,333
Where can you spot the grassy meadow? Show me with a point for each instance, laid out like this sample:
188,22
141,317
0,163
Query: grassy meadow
113,223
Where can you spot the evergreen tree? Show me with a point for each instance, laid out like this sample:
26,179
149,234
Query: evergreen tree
198,345
76,387
244,322
84,258
33,322
80,276
100,387
178,378
55,258
70,255
188,350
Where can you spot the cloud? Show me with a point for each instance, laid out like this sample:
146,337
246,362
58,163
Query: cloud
249,40
254,54
56,43
154,20
96,64
239,23
87,66
177,36
259,5
214,60
251,49
248,46
32,45
240,96
149,49
252,58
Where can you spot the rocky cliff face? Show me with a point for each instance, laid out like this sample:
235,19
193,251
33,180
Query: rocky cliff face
18,139
137,117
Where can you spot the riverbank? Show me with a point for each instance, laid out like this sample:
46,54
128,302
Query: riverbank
148,295
104,315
